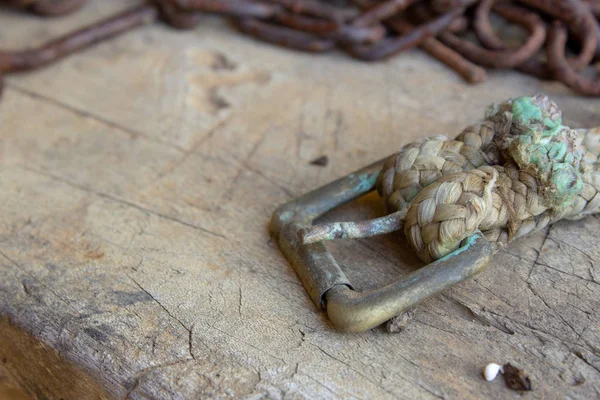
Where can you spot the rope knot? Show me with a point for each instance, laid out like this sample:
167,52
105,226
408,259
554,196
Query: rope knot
513,173
541,174
539,144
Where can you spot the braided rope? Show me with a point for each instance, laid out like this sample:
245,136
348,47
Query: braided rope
423,162
456,206
443,190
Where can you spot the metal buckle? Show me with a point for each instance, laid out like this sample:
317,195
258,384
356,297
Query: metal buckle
328,286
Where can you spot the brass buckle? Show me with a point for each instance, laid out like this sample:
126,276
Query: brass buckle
327,285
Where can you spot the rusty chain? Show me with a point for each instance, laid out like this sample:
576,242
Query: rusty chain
366,29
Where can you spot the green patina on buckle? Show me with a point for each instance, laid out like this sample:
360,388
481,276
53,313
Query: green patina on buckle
327,285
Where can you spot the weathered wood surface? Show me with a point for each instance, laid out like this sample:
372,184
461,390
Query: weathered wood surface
138,179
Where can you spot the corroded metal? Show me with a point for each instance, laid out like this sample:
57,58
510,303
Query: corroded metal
330,289
359,311
313,263
521,171
369,30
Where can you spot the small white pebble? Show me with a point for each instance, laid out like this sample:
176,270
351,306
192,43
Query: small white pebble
491,371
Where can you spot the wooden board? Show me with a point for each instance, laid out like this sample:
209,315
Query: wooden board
138,179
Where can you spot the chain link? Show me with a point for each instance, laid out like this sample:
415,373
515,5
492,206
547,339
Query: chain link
366,29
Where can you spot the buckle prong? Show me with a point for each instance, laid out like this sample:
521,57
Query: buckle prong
326,283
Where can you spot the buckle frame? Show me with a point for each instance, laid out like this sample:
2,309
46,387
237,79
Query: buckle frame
326,283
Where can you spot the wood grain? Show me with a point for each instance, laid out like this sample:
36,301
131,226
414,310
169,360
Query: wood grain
138,179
